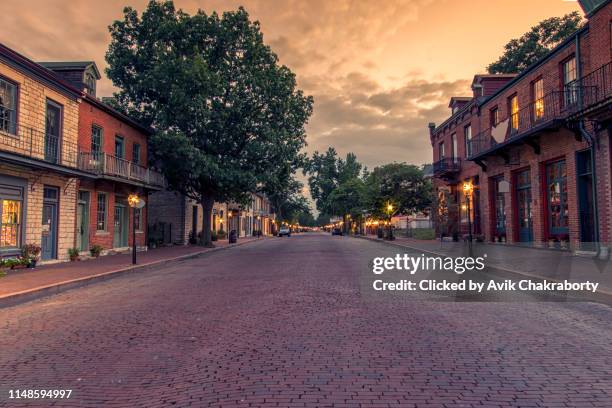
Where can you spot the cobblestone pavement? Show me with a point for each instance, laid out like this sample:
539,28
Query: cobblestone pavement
290,322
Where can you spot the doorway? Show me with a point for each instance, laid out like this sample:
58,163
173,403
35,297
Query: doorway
82,221
585,199
120,237
49,223
523,206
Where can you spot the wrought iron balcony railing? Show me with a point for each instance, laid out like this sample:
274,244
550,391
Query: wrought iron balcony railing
104,164
30,143
446,166
540,114
593,88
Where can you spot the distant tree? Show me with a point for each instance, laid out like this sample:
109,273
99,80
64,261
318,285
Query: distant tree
536,43
401,184
326,172
348,199
226,114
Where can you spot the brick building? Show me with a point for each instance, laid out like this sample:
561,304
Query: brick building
536,147
113,147
174,218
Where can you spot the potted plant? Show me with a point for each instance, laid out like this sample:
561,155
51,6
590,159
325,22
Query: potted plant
31,253
213,235
221,234
95,250
73,253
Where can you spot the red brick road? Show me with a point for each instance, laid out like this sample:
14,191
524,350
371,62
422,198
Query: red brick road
288,322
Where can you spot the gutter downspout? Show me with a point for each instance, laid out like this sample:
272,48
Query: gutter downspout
591,140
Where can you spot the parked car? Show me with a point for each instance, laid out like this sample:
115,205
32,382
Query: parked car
336,231
284,231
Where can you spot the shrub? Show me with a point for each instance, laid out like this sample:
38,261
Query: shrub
221,234
424,233
95,250
73,253
30,251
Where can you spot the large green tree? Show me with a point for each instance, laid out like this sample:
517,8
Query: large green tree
400,184
519,53
226,114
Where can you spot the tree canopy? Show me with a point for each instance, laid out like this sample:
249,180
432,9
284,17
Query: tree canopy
227,116
520,53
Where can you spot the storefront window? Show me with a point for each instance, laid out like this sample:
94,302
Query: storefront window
558,212
10,235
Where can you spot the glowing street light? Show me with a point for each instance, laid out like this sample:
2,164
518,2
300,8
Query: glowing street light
468,189
136,203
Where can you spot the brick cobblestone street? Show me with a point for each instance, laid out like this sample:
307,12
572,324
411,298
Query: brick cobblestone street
291,323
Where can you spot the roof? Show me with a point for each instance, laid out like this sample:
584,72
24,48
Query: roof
114,112
70,66
459,99
536,64
26,65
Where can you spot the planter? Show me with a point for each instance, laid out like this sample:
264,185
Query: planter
32,263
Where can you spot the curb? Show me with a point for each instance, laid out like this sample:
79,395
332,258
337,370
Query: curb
28,295
604,296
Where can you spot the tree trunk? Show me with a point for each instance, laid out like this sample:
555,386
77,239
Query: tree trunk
208,203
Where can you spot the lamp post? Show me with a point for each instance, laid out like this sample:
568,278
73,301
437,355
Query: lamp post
468,189
389,210
136,203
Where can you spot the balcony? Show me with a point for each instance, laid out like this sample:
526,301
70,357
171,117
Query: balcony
108,166
593,92
545,114
36,149
447,167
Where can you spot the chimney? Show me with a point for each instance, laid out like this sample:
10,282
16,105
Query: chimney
432,127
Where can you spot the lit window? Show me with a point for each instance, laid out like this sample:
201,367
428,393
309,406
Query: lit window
514,112
538,99
10,231
101,213
8,103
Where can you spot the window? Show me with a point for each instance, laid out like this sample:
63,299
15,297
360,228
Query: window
441,150
454,146
96,141
101,213
138,218
494,117
556,183
8,105
119,147
467,133
537,90
136,153
570,90
90,84
499,201
10,231
514,112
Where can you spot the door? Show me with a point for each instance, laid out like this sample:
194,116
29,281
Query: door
121,226
523,206
82,221
585,200
53,132
49,224
194,222
556,199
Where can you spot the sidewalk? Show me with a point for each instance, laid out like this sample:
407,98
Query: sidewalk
47,279
536,263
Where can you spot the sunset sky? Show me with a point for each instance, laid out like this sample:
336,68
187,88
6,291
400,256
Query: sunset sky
379,70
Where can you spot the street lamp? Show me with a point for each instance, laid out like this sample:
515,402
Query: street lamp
136,203
468,189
